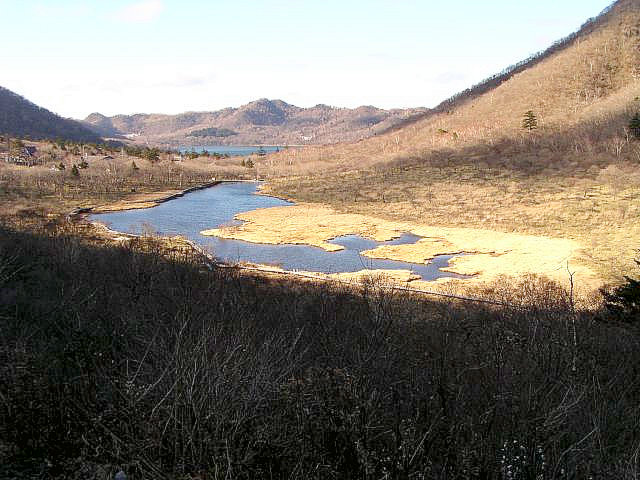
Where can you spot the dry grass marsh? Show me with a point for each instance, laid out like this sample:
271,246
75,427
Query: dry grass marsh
599,208
471,164
488,253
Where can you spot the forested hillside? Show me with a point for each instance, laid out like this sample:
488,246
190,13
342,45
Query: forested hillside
21,118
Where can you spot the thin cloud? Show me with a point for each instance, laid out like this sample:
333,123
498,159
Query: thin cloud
141,12
57,11
449,76
185,81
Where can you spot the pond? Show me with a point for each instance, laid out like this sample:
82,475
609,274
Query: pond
233,150
217,206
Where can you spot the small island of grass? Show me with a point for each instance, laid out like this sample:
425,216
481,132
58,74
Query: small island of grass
213,132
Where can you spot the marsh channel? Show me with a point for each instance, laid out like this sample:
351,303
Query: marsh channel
217,206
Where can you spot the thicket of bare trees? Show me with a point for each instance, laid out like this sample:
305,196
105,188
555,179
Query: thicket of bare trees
125,358
69,177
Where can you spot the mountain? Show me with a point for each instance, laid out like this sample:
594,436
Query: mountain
469,163
260,122
101,125
583,89
21,118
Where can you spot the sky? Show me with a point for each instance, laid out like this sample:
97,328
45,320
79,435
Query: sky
76,57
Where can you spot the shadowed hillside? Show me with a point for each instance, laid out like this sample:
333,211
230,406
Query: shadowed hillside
21,118
260,122
137,357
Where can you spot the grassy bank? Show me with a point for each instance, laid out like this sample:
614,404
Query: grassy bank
596,204
139,358
488,253
471,162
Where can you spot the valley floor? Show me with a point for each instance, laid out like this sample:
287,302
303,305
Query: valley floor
592,214
134,354
490,254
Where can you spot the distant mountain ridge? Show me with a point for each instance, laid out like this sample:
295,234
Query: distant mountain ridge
262,121
21,118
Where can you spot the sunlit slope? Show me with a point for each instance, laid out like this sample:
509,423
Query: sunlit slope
585,89
471,164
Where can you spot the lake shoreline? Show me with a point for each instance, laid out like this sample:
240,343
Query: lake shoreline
488,254
150,199
395,274
391,280
483,264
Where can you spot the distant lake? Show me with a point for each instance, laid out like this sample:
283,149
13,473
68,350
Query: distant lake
217,206
233,150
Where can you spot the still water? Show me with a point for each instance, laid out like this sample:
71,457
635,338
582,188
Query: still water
233,150
217,206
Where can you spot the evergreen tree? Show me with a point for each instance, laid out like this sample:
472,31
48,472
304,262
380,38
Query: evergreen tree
634,125
530,121
151,154
74,171
623,303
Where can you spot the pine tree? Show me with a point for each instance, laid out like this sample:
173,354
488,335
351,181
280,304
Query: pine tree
623,303
634,125
74,171
530,121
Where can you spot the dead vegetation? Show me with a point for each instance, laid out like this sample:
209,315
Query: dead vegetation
488,253
104,175
472,164
135,358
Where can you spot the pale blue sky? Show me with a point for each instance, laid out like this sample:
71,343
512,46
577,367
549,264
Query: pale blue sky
130,56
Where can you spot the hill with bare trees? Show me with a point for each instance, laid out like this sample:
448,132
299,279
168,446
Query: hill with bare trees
21,118
266,122
470,162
